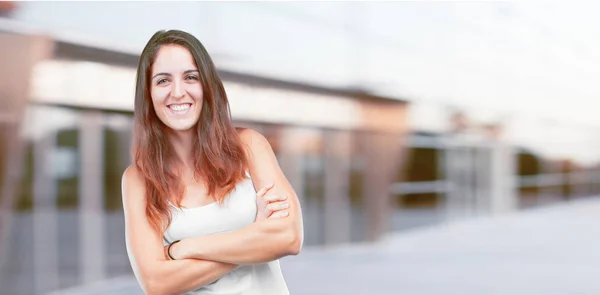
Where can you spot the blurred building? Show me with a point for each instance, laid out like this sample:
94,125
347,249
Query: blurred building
68,134
363,164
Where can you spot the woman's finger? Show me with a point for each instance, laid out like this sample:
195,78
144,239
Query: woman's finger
264,190
279,214
274,198
277,206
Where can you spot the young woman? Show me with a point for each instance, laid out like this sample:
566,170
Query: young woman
207,208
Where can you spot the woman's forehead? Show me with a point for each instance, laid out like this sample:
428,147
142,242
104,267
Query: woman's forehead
173,59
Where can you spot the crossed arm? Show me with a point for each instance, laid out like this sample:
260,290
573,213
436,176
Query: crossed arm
202,260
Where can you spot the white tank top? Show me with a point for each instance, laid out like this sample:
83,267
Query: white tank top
238,211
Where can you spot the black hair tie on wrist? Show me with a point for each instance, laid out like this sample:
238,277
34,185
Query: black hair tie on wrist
169,249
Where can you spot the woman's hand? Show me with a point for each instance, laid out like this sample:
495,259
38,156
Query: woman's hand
270,205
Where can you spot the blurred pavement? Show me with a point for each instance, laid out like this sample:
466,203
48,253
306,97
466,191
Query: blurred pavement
551,250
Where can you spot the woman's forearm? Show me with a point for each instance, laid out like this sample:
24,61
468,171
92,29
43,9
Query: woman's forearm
259,242
180,276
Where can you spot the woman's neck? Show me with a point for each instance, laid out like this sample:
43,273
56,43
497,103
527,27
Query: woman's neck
183,143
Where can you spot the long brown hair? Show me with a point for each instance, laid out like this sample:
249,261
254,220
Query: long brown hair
218,153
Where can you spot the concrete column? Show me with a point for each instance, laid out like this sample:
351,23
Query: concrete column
459,168
496,178
384,155
91,196
503,191
18,56
483,171
511,186
337,177
471,150
452,187
45,231
442,155
290,161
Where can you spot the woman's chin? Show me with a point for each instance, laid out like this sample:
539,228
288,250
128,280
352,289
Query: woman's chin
181,126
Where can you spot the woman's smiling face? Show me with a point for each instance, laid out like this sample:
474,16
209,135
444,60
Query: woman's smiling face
175,88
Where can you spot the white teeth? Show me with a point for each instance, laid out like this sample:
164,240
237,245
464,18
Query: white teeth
180,107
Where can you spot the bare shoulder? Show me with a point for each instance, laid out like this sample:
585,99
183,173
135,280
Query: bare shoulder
132,185
253,139
131,176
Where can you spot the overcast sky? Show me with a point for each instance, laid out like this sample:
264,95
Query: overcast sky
535,61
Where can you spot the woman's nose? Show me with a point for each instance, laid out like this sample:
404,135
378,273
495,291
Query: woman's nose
177,91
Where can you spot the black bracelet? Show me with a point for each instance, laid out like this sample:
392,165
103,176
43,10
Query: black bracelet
169,249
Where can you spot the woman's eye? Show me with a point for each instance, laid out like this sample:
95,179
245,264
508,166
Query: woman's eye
161,81
192,78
